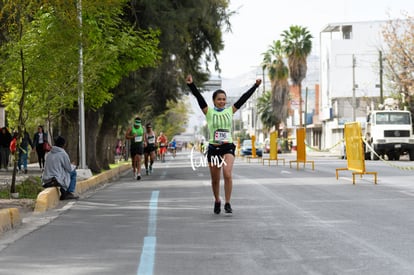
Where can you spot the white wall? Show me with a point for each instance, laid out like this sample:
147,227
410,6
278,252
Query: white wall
336,62
336,79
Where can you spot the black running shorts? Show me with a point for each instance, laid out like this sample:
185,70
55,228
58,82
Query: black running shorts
150,148
220,151
137,149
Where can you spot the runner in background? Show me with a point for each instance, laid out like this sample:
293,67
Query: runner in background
162,144
149,148
136,135
173,146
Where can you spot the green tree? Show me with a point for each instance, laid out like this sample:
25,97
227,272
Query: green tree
297,43
112,49
190,34
15,18
173,120
265,109
278,74
190,39
121,40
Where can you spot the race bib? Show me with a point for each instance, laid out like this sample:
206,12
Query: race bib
138,139
221,136
151,140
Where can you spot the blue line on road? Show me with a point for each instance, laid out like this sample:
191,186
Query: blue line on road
152,219
146,264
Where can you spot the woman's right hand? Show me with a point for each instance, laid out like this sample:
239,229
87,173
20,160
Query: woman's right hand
189,79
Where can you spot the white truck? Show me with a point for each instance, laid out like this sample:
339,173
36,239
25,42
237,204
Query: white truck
390,133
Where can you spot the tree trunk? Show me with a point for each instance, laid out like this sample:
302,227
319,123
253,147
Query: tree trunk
91,131
107,141
70,132
20,122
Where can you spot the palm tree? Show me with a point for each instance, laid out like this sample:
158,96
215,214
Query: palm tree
278,74
297,43
264,108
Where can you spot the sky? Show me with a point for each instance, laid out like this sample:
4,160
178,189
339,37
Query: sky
260,22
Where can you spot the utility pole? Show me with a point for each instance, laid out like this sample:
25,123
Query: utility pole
300,105
381,74
82,158
306,105
353,89
82,171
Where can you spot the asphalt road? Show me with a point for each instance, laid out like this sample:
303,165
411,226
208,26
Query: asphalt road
285,221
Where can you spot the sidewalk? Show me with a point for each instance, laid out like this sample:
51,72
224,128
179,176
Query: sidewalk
6,175
49,198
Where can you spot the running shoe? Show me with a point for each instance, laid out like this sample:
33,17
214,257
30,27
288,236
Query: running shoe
150,169
217,207
146,172
138,176
227,208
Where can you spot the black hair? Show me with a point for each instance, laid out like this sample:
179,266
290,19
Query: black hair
219,91
60,141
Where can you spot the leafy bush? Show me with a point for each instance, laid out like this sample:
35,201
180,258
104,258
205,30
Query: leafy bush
27,189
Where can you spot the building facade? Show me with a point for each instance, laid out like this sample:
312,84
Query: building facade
349,76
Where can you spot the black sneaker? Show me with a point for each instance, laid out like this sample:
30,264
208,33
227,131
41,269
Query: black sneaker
227,208
217,207
139,177
65,195
70,196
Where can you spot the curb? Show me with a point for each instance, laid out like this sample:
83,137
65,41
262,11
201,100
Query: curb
9,219
49,198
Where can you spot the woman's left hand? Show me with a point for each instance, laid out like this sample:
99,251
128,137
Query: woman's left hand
189,79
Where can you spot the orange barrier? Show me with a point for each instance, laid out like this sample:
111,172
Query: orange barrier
254,155
273,150
301,149
355,152
254,146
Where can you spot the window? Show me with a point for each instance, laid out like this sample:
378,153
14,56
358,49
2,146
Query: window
347,32
393,118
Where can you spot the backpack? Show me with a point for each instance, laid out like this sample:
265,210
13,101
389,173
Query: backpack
13,146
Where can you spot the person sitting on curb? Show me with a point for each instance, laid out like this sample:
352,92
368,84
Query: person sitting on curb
59,171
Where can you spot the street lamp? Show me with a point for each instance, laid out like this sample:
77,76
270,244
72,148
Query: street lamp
83,171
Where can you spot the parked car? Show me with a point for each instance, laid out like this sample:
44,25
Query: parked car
246,148
266,148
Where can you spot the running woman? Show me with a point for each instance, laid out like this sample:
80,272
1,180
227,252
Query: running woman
162,144
136,135
221,148
149,148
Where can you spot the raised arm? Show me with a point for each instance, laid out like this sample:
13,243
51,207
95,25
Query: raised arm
246,95
200,99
